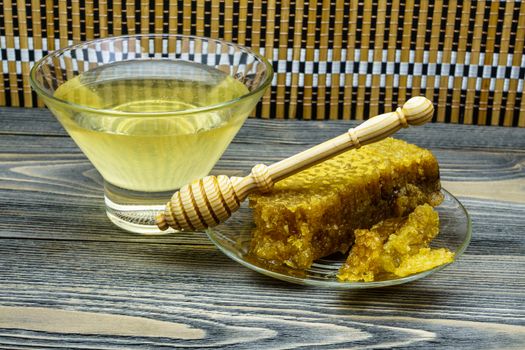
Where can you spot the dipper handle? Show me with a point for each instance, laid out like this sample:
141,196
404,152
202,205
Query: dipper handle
209,201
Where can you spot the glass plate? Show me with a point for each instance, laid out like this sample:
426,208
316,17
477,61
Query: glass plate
233,239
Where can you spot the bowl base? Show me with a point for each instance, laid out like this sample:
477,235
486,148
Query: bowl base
135,211
127,223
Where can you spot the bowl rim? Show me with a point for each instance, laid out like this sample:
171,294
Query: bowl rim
114,113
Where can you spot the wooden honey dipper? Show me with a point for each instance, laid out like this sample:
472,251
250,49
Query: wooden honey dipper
209,201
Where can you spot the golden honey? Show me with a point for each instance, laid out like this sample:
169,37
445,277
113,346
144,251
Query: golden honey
395,247
132,147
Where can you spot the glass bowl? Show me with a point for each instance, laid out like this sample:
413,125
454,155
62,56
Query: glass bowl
152,112
233,239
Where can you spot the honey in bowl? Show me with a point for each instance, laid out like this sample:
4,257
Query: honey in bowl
130,151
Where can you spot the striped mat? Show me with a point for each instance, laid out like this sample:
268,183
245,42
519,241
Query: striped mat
333,59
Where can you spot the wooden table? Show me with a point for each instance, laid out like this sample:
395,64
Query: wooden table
70,279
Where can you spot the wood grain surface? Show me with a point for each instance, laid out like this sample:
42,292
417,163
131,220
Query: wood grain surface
70,279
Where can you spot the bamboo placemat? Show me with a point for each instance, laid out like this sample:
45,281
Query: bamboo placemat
333,59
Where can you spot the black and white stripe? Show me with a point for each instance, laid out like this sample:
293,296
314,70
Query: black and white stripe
362,64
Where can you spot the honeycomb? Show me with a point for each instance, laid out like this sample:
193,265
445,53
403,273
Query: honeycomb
395,247
314,213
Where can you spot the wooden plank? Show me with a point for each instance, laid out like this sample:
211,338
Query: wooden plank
36,121
60,212
45,182
70,279
508,190
60,157
462,165
26,213
100,295
42,178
